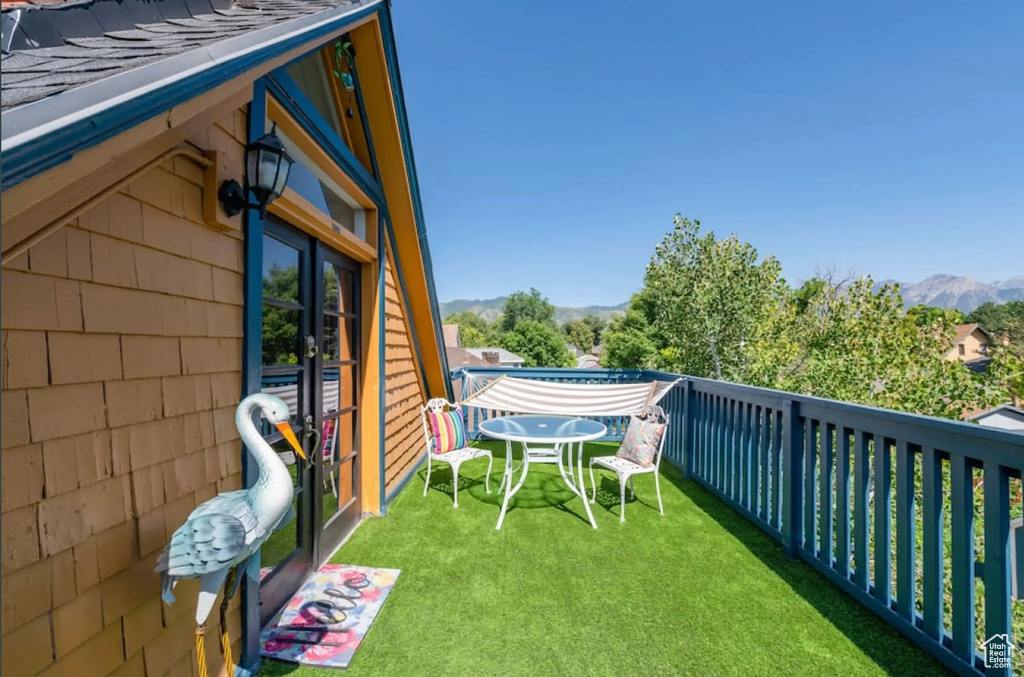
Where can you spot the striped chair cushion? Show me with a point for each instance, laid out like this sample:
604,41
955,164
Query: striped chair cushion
447,429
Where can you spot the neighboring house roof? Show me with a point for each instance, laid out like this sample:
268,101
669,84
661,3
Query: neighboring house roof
1005,416
504,356
978,366
451,335
965,330
588,362
460,357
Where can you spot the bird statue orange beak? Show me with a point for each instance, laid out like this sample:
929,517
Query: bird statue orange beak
289,435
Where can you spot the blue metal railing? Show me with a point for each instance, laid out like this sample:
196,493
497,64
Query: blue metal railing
838,485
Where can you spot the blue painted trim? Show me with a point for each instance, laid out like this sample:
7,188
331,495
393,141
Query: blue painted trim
252,341
47,151
381,305
284,89
390,53
405,480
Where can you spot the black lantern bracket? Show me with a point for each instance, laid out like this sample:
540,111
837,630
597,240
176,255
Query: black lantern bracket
268,166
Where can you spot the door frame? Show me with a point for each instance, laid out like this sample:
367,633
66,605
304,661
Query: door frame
315,540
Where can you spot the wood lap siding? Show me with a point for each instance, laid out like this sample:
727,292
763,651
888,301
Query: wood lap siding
122,346
404,394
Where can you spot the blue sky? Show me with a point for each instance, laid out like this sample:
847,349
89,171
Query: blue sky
555,141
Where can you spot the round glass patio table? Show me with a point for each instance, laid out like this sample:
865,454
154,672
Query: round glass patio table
560,438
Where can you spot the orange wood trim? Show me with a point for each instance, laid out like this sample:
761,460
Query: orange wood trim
294,131
407,320
299,212
379,102
369,405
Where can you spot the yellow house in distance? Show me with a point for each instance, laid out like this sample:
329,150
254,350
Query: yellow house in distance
971,343
153,276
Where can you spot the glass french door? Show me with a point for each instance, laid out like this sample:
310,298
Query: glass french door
310,359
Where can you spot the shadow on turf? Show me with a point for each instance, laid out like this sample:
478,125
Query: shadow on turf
539,490
858,623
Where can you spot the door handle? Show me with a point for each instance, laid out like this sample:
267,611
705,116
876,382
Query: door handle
311,429
310,347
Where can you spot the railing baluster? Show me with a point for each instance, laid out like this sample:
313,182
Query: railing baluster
843,501
720,444
793,445
776,430
931,470
811,485
826,515
997,556
962,508
750,445
861,487
883,521
734,457
905,550
761,431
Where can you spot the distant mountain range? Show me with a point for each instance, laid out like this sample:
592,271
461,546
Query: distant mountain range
962,293
491,308
944,291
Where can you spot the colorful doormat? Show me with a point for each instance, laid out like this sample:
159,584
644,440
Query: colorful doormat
328,617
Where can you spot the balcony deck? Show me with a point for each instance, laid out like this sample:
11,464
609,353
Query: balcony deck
700,591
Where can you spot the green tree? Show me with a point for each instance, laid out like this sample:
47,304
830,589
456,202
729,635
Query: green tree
539,344
1001,319
629,341
281,325
597,325
580,335
924,316
857,345
705,299
474,331
526,307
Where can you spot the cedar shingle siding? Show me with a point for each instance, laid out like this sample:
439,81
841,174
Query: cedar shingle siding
122,345
404,394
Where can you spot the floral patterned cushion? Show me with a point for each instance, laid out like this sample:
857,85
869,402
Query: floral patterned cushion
447,429
640,445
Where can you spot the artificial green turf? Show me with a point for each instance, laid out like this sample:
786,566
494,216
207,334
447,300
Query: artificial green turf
698,591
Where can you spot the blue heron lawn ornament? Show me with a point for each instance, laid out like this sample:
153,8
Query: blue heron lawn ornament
225,531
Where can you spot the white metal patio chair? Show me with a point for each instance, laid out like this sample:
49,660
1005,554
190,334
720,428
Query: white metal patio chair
627,469
455,457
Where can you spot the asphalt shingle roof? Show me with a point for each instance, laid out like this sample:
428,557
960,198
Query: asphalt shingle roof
56,47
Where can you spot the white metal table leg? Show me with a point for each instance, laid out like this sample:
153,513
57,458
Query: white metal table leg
574,478
583,488
512,491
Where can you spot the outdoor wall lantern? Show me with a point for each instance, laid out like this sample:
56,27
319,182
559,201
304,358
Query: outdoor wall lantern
267,168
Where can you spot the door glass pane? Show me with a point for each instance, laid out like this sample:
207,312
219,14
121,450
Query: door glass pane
286,539
338,436
331,348
343,299
280,270
280,335
330,287
347,340
285,386
347,386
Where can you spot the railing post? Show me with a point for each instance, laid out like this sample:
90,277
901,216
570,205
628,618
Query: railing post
687,429
792,478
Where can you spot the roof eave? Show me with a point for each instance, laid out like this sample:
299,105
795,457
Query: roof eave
42,134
